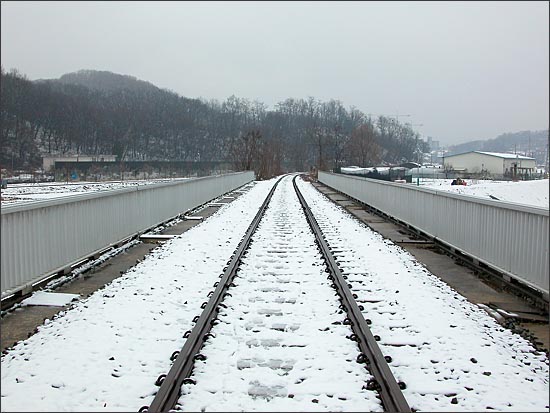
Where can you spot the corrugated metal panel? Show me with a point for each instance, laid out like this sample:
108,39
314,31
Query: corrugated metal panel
43,237
511,238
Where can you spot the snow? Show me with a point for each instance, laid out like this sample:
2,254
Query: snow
531,193
276,338
106,351
356,170
49,299
441,344
504,155
19,193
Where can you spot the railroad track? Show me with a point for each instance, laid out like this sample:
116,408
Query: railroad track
282,337
449,352
269,266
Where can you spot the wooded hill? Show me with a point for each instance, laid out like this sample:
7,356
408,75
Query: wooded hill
528,143
98,112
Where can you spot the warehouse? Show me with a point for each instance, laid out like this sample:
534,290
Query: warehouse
497,165
49,162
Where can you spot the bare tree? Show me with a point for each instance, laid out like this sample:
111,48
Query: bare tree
139,121
245,150
363,148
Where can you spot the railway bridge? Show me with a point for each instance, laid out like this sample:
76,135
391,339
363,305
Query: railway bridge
279,295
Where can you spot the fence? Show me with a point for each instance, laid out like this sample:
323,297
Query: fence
44,237
511,238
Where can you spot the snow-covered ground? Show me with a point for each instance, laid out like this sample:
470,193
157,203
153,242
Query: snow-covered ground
280,344
19,193
532,193
442,346
107,351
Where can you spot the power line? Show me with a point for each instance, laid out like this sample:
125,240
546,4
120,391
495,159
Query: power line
396,116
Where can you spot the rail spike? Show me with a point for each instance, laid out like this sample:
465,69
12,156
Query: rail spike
160,380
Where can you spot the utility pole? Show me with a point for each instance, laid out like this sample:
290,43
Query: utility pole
417,149
547,171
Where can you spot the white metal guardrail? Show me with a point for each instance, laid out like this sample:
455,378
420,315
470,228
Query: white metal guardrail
511,238
44,237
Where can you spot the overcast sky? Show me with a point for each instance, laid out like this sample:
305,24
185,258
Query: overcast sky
463,70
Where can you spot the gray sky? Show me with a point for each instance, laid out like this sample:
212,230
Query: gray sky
464,70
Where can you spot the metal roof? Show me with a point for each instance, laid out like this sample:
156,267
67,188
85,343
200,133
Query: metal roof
497,154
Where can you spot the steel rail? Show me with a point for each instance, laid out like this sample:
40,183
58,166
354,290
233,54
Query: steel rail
170,384
389,390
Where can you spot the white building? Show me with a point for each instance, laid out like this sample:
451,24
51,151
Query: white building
491,163
48,162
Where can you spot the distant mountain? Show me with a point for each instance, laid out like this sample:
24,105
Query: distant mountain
104,81
476,145
528,143
99,112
